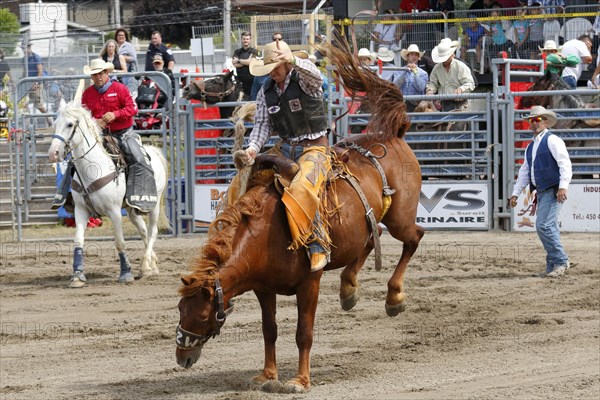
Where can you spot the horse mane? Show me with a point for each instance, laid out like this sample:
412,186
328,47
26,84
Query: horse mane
388,111
76,111
218,248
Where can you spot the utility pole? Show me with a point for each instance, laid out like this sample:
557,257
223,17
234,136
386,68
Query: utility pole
117,11
227,27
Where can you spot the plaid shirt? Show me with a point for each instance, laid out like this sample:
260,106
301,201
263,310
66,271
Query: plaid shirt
310,82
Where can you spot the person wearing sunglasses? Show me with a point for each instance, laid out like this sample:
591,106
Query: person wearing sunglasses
546,169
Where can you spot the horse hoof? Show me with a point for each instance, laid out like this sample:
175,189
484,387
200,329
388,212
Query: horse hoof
77,280
126,277
394,310
349,302
296,387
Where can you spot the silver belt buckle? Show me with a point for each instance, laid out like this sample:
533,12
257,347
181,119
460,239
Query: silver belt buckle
294,141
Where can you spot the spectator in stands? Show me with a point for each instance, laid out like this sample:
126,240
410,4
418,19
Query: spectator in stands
4,72
386,34
126,49
110,54
414,5
483,5
596,33
521,33
386,56
499,40
156,47
450,76
546,169
581,48
554,6
241,61
35,67
159,65
444,6
365,57
536,30
472,39
412,80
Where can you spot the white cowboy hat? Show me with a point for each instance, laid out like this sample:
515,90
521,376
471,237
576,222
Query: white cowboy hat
385,54
413,48
366,53
444,50
98,65
270,52
548,45
549,115
312,58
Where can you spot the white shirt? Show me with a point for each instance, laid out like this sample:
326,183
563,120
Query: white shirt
558,149
578,48
387,34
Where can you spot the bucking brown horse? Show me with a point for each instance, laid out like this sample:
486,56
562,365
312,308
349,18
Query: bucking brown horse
247,246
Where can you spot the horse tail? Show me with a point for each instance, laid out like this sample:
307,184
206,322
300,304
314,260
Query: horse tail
388,114
164,224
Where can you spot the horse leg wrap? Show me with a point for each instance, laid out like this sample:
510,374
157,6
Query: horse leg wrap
141,186
126,275
78,259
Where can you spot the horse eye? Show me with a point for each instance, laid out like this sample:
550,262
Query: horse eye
70,125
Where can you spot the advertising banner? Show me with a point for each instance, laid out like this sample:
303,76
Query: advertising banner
580,213
454,206
207,200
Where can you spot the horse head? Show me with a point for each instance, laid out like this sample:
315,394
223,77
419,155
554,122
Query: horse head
214,90
201,316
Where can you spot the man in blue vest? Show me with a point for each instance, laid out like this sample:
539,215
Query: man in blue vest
290,105
546,169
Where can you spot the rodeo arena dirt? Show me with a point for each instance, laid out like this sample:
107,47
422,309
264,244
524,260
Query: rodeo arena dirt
475,320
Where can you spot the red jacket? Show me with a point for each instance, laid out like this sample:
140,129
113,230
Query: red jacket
116,99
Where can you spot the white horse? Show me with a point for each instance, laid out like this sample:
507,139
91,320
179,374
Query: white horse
75,129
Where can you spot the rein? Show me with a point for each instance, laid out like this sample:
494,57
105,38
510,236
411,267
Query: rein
67,142
220,95
187,340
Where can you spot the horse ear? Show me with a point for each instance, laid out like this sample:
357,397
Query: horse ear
229,75
188,280
79,93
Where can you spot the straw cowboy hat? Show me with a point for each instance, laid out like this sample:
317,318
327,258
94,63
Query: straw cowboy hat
444,50
413,48
385,54
548,45
366,53
98,65
549,115
270,52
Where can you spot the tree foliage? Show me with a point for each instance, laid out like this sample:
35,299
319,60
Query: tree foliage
9,31
174,19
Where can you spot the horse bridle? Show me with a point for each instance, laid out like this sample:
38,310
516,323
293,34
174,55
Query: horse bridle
187,340
220,95
67,142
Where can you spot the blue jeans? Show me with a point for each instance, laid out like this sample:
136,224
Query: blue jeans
570,81
546,225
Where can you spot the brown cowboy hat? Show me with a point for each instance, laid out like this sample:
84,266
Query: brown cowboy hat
270,52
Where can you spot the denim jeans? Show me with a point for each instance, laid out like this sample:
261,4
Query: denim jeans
546,225
570,81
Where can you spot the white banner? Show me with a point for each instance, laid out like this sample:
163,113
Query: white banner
454,205
580,213
206,201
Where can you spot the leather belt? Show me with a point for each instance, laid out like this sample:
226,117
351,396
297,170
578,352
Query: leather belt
320,141
107,131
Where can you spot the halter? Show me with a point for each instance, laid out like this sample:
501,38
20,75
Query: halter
187,340
220,95
67,142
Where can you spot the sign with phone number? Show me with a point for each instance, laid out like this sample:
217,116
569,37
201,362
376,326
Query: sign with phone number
580,213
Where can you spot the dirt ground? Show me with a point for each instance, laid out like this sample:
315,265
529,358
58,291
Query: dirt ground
478,325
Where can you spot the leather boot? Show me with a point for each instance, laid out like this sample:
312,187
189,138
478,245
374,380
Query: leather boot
141,186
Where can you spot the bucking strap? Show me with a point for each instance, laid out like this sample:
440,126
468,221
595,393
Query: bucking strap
370,218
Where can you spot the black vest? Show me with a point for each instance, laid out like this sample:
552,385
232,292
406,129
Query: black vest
294,113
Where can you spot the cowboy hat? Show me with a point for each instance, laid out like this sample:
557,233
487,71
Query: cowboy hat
413,48
385,54
548,45
270,52
444,50
366,53
98,65
549,115
157,58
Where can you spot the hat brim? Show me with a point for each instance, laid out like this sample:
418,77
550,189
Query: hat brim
404,53
109,67
440,58
258,67
550,116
